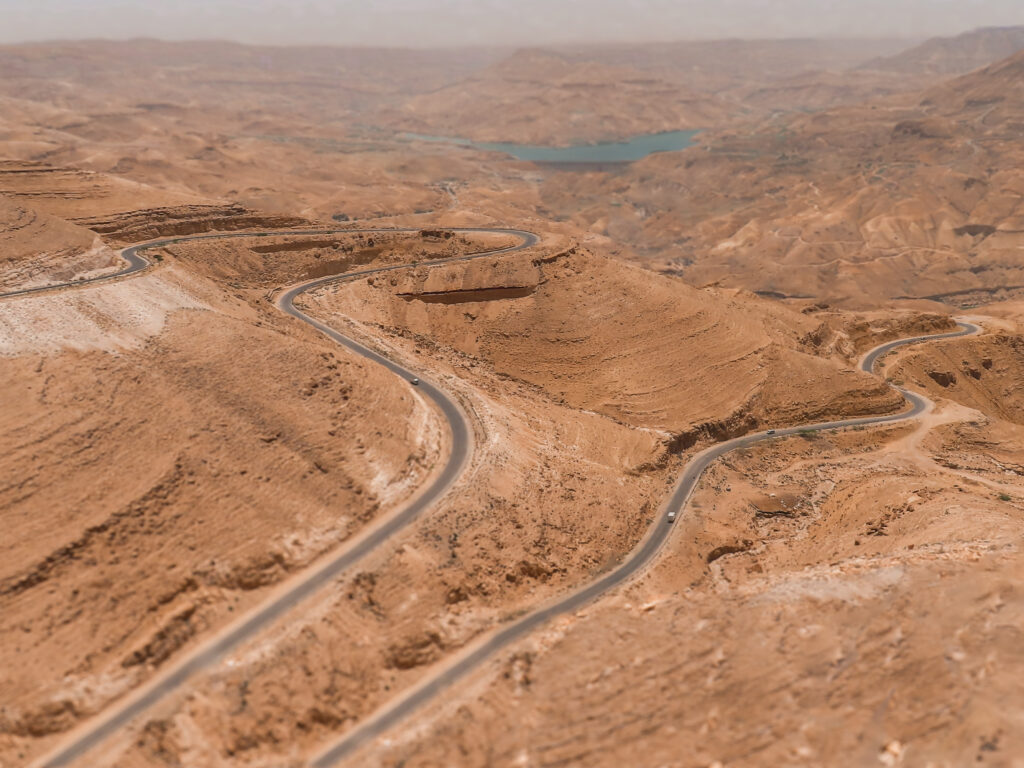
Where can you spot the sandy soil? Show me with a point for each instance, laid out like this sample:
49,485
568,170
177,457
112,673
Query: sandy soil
174,447
563,484
842,599
146,507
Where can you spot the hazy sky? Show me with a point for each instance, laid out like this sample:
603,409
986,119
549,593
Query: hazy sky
450,22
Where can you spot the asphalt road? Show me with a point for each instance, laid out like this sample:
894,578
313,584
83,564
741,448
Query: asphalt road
869,360
658,534
135,263
122,712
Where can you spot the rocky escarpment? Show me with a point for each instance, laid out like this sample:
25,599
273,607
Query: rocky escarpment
135,226
642,349
38,249
983,372
851,334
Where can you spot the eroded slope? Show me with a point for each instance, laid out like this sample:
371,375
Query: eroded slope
571,466
174,447
830,599
37,249
644,350
902,198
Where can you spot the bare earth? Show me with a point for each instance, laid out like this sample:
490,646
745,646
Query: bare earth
175,448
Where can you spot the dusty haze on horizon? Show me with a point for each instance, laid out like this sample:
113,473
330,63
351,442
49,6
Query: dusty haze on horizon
427,23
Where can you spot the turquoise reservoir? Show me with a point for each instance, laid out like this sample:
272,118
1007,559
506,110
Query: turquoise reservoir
627,151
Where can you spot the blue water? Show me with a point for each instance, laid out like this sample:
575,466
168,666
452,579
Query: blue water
628,151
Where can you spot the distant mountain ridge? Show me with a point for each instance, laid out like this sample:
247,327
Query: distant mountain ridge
537,96
954,55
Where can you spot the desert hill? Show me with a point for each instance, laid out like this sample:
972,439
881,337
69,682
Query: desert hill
585,327
161,74
211,121
176,447
50,220
818,90
59,223
563,95
769,75
124,465
552,348
36,248
954,55
206,121
900,198
719,65
873,548
541,97
587,380
989,99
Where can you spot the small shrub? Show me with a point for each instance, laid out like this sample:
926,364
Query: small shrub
1005,497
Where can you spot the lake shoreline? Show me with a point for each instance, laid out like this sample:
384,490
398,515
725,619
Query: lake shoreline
590,156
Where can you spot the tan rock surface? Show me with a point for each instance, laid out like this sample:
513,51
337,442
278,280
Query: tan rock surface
37,249
909,197
174,447
830,599
563,485
147,506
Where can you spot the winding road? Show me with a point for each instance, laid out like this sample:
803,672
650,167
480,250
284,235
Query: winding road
659,533
294,591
